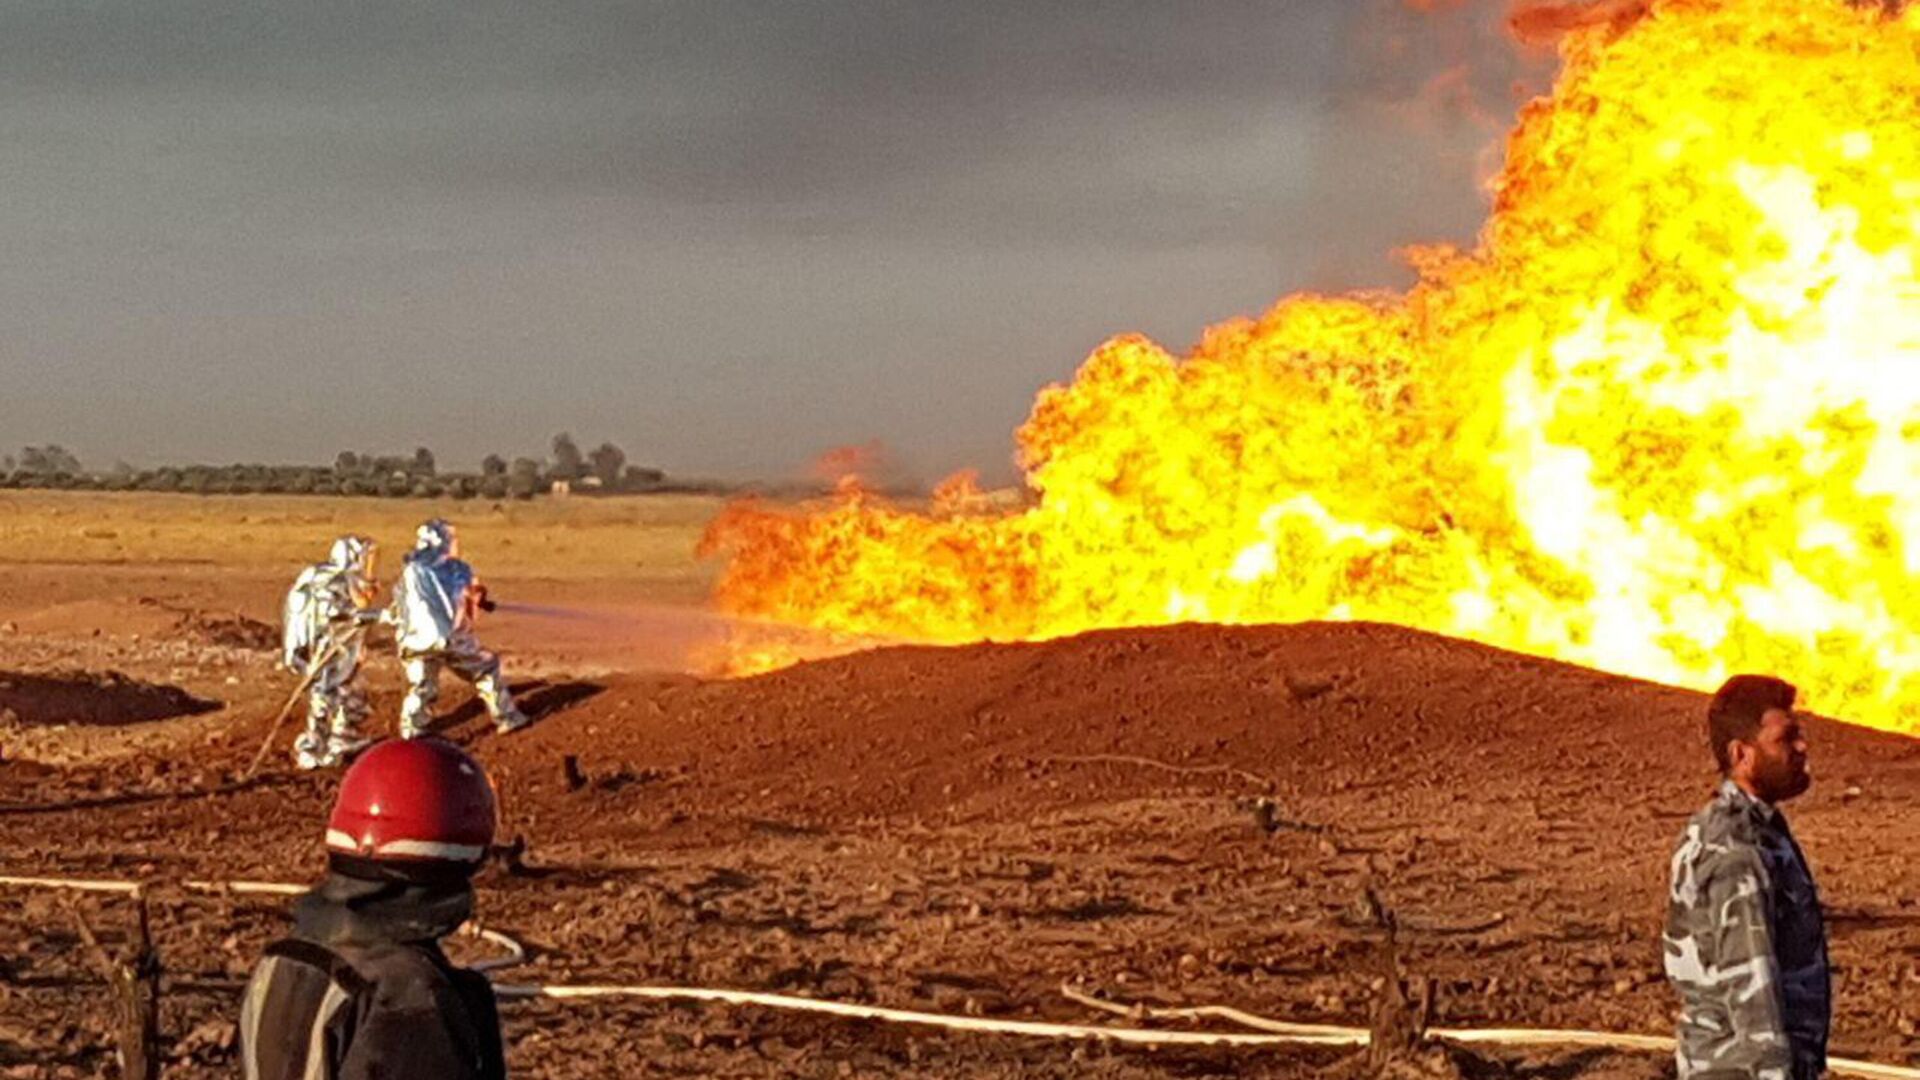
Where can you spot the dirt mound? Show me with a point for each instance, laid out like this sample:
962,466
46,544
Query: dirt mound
90,699
1261,710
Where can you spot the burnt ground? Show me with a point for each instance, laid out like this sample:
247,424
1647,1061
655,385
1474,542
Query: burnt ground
966,829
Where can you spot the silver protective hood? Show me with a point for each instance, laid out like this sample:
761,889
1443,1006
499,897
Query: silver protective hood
436,536
351,554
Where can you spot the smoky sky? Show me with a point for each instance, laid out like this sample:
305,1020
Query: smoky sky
725,235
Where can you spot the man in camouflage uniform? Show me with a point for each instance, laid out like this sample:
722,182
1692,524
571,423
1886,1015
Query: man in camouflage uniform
1745,943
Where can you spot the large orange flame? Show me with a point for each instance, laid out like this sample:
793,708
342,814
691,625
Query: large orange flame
1663,419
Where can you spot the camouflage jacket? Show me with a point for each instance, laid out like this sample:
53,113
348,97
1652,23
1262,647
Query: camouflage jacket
1746,946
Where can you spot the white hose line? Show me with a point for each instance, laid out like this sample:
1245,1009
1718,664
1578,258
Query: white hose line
516,954
128,888
1873,1070
1500,1036
909,1016
1272,1032
1137,1013
1662,1044
513,952
132,888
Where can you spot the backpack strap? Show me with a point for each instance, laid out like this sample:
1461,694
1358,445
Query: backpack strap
298,1020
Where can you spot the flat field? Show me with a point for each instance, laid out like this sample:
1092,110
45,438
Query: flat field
954,830
600,583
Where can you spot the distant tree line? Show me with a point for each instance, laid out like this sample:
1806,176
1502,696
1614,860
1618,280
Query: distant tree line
604,470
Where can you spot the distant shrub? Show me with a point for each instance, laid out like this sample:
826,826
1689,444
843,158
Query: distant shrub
525,481
568,462
606,463
50,460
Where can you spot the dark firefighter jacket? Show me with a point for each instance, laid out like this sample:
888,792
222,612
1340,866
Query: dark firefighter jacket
363,992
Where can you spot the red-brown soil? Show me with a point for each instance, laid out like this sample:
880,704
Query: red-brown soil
965,829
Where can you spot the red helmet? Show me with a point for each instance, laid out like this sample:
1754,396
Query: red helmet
414,801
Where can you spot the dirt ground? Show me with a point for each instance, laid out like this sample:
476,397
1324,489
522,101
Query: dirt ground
959,830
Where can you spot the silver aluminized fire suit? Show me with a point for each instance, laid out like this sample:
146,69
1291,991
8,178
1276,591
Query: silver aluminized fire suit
323,622
434,605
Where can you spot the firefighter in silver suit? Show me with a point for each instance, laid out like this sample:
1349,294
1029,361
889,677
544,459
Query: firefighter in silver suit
435,603
323,623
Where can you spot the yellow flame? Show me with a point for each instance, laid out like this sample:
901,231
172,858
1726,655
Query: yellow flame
1664,418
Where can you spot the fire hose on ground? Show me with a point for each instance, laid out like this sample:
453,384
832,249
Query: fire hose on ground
1265,1031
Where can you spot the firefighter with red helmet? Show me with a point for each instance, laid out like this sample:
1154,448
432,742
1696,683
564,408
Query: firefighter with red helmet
362,989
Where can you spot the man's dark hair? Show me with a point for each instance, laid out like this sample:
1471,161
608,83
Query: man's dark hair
1737,707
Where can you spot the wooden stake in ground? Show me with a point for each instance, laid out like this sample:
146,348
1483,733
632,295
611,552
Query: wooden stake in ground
1398,1045
136,992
